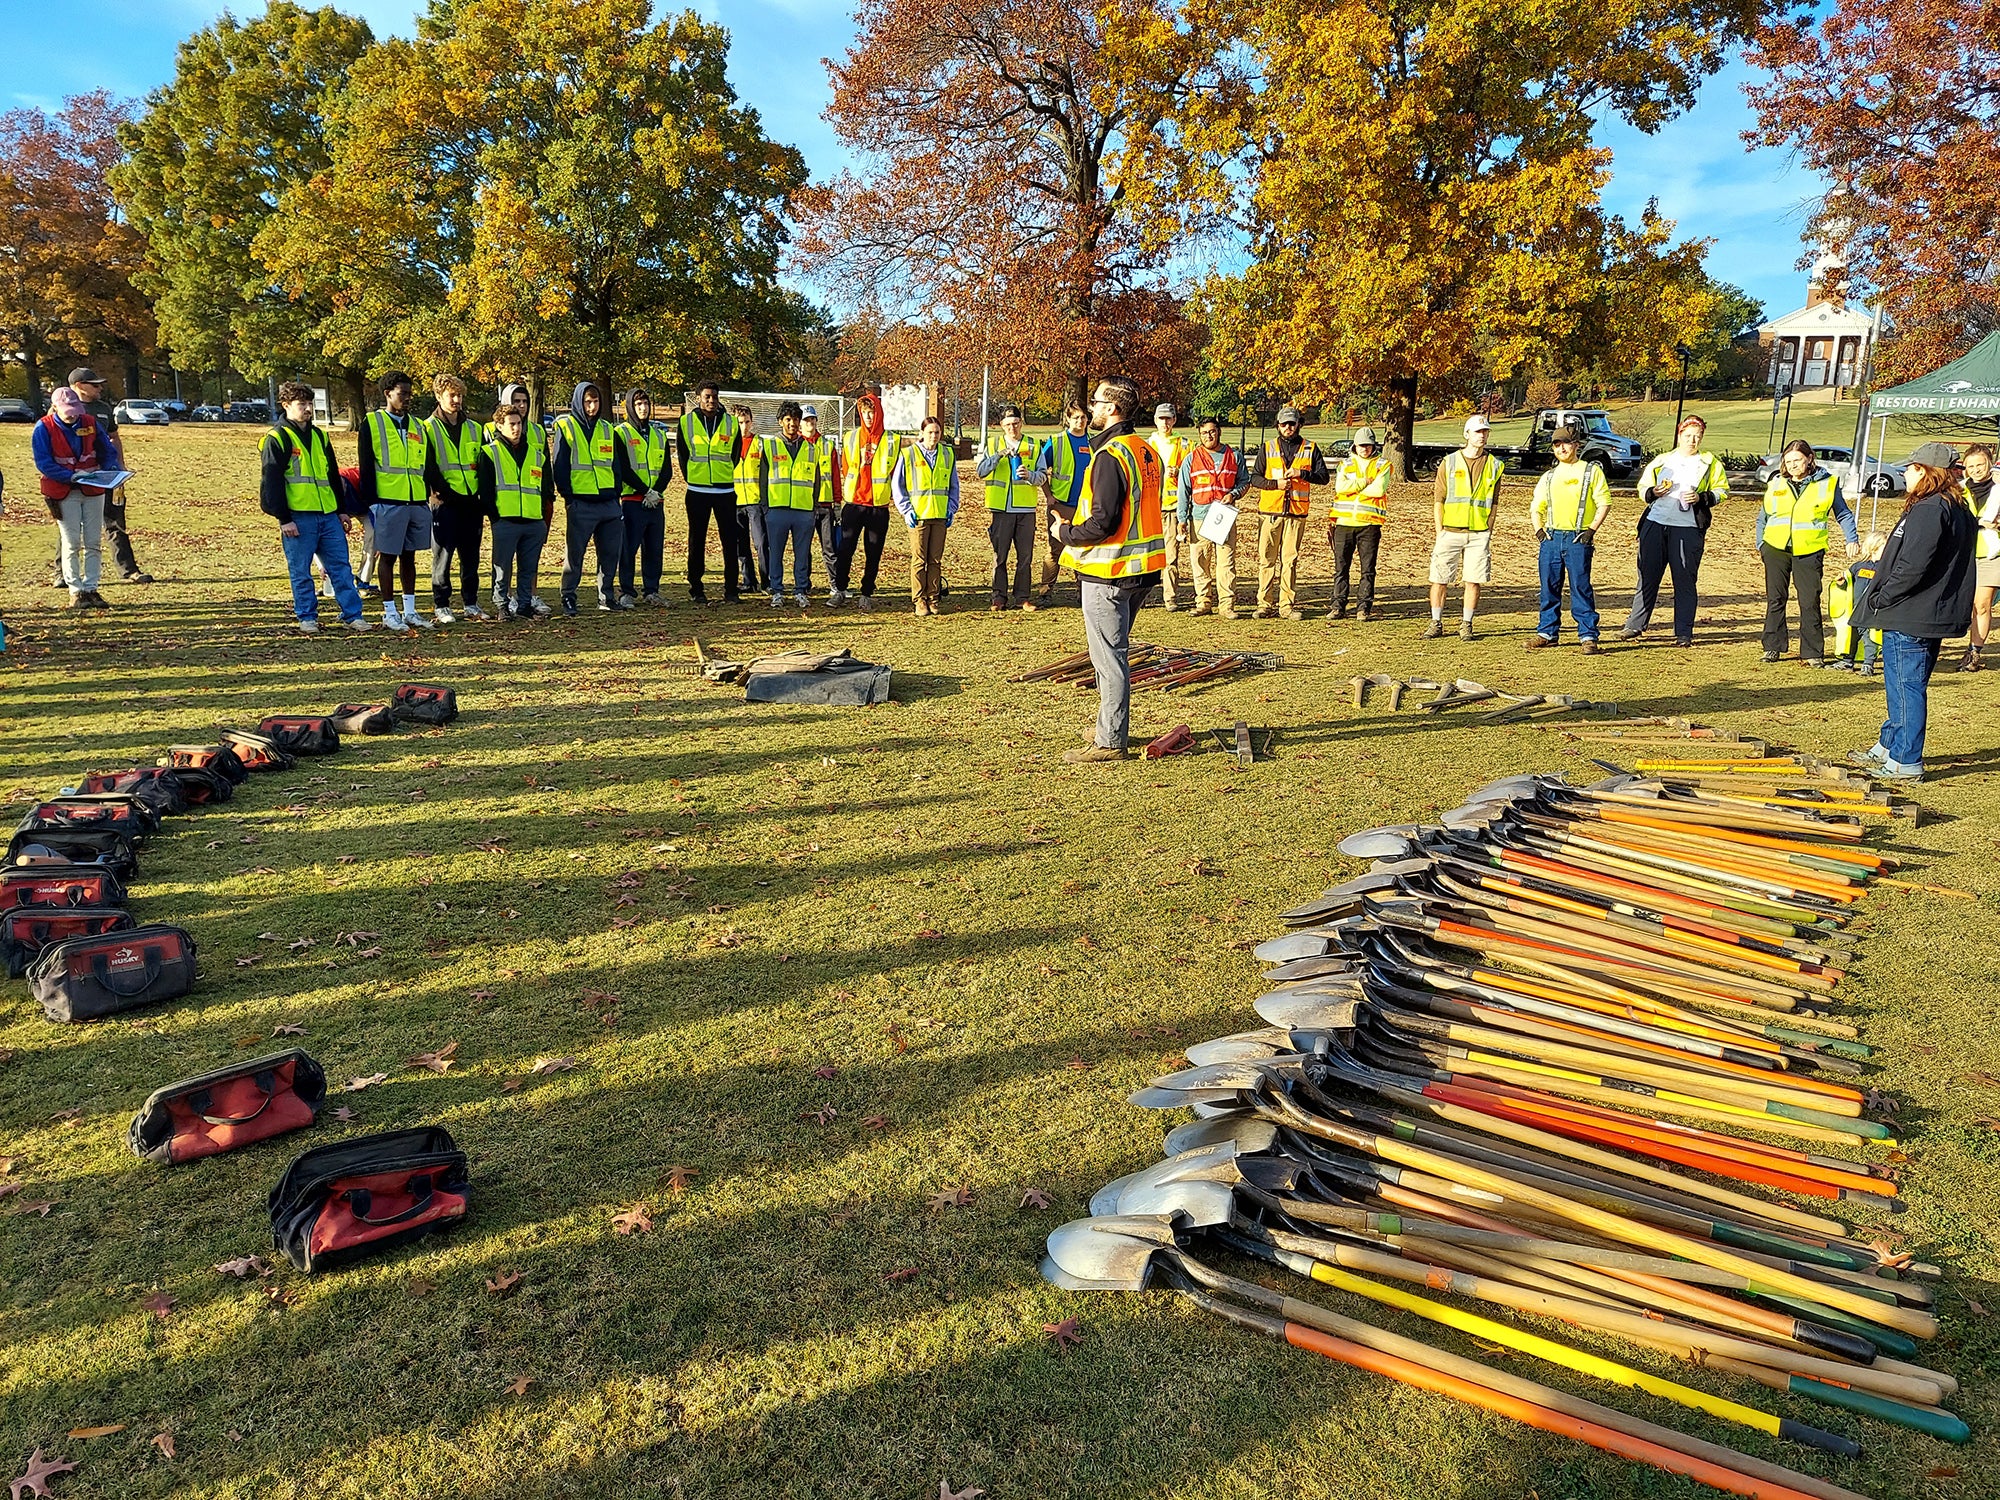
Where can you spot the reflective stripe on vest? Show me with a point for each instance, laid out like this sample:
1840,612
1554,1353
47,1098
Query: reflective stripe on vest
458,462
83,459
711,460
794,477
1295,498
1469,507
1571,497
1211,480
930,487
1988,544
853,463
646,451
1063,471
309,474
887,452
1360,492
748,470
517,488
592,464
1798,522
399,458
1141,547
1004,487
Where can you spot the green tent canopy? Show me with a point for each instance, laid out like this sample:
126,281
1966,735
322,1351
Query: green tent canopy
1967,387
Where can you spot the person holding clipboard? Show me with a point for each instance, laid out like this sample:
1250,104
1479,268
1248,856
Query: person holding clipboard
69,456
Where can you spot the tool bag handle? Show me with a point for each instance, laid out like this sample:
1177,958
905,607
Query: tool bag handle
361,1200
100,966
200,1101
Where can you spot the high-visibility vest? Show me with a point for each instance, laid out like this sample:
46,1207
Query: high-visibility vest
854,460
1840,608
593,466
457,459
1989,526
1211,477
711,458
822,447
748,472
1062,465
930,480
1173,452
517,488
1361,491
1575,499
647,451
1798,522
1469,507
1141,547
793,476
82,456
1004,488
1295,498
1714,478
399,458
309,472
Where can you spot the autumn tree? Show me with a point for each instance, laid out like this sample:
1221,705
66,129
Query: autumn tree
988,217
1419,188
66,258
1898,105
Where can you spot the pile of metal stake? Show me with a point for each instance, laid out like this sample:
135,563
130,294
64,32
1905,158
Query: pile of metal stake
1461,691
1567,1055
1162,667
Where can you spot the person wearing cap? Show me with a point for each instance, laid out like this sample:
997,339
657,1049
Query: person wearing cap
1063,461
868,457
1291,466
649,459
1680,490
1571,501
1791,539
1012,483
1360,506
826,509
67,447
1173,451
1921,597
395,463
300,487
458,525
1462,505
1211,475
707,442
89,386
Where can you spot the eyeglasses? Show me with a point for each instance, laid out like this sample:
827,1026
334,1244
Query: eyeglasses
1097,401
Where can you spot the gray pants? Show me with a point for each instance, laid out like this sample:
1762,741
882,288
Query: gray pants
1107,630
81,521
588,521
517,553
1013,529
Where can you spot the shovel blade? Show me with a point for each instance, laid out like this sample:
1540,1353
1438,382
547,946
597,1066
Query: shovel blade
1198,1205
1312,1010
1151,1098
1380,843
1244,1046
1292,945
1245,1131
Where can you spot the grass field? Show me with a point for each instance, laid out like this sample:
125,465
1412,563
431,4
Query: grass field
833,963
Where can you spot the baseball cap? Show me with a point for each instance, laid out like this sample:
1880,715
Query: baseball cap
1364,437
1477,423
1165,409
84,375
809,411
1934,456
1288,414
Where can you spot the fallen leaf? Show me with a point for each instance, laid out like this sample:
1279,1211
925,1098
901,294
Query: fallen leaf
635,1220
1068,1331
42,1208
484,994
896,1036
503,1283
1034,1198
421,1286
278,1296
518,1386
1078,1065
678,1177
626,901
554,1065
356,1085
290,1029
369,953
875,1122
903,1275
160,1305
438,1061
244,963
298,943
1943,1471
40,1472
248,1265
8,1163
951,1197
510,1085
343,1114
619,924
66,1114
825,1070
164,1441
824,1115
345,859
946,1492
1978,1310
96,1432
8,1189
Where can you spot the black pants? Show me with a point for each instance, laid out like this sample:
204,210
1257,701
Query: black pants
1349,542
1783,571
456,531
866,526
701,504
1667,550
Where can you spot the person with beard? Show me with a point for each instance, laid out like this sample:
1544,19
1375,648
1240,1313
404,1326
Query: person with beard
651,462
1292,465
457,523
708,442
590,473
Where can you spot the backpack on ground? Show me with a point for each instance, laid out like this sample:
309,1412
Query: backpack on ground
363,718
26,930
258,752
217,758
301,734
80,846
352,1198
424,703
229,1107
61,884
83,978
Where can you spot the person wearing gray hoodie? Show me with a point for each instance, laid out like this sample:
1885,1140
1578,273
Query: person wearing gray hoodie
591,471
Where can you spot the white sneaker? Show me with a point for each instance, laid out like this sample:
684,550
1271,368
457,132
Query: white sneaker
800,600
470,612
413,618
867,604
777,601
540,608
357,623
392,618
309,627
443,615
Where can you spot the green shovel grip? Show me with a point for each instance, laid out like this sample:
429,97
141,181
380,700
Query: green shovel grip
1939,1424
1751,1239
1846,1124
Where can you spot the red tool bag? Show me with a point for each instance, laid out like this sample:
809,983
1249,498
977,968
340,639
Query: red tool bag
203,786
77,846
300,734
352,1198
424,703
83,978
258,752
63,885
119,812
153,787
363,718
217,758
26,930
229,1107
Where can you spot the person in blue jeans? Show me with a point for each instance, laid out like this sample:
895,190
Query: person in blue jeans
301,489
1571,501
1921,598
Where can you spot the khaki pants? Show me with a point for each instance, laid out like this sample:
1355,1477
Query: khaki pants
1215,573
927,562
1051,553
1278,541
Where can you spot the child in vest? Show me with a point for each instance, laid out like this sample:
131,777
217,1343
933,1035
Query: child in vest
1855,649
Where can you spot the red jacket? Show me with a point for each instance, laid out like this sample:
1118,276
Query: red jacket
72,458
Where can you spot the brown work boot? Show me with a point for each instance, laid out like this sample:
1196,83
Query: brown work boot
1434,630
1226,612
1588,648
1539,643
1295,614
1465,630
1266,612
1091,755
1202,609
1367,613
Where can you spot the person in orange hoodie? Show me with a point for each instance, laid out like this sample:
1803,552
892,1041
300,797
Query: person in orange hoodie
861,482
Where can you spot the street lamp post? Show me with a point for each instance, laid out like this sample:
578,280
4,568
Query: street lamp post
1680,401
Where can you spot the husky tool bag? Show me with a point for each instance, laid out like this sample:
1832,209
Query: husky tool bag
229,1107
26,930
83,978
202,786
424,703
363,718
60,885
120,811
156,788
258,752
339,1202
80,846
301,734
217,758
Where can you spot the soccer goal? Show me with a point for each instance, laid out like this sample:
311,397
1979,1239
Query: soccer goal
835,412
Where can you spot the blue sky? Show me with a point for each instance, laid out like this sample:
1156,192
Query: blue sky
1749,203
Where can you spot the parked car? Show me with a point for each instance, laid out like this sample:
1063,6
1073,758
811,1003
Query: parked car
1872,476
177,409
14,409
207,413
137,412
245,411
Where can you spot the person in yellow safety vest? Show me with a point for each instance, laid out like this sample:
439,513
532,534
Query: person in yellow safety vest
1287,470
1012,490
649,455
868,457
1855,647
300,489
706,442
924,486
591,472
795,474
395,454
1791,538
1118,546
1210,476
1982,496
751,507
457,524
517,491
1360,506
1680,491
1571,502
1463,500
826,511
1064,460
1173,451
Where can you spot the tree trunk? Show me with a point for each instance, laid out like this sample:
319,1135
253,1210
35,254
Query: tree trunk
31,361
1400,418
131,373
1648,397
357,396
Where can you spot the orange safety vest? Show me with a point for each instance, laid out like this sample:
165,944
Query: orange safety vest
84,458
1212,480
1295,499
1141,547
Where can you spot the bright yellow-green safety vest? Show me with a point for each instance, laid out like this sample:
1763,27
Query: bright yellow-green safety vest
749,472
1361,491
1577,496
1469,507
309,474
794,477
457,461
1798,522
1062,465
593,466
930,488
647,451
517,488
1989,538
1005,489
711,459
1840,609
399,458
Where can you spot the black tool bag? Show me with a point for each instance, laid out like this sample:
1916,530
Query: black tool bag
424,703
218,758
26,930
301,734
353,1198
203,786
60,884
363,718
258,752
83,978
156,787
229,1107
80,846
118,811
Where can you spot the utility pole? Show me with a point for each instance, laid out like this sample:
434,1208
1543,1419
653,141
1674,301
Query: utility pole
1681,401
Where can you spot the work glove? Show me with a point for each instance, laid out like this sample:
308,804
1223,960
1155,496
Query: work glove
1587,536
652,500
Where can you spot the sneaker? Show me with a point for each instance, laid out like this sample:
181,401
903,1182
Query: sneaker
368,591
867,604
1812,661
1868,759
1840,664
1771,655
1294,614
78,603
1367,613
1091,755
698,594
1539,643
1896,771
1683,643
628,601
727,598
777,601
1588,648
1174,606
1339,612
1434,631
1226,612
1199,609
1971,661
1629,634
1266,612
96,600
1000,605
801,600
473,612
539,608
137,576
656,601
568,607
1028,606
1465,630
1868,669
356,624
392,618
309,627
443,615
834,597
413,618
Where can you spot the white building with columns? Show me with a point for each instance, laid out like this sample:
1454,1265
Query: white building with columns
1821,347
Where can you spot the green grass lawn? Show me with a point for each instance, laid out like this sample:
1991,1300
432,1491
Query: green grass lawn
873,955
